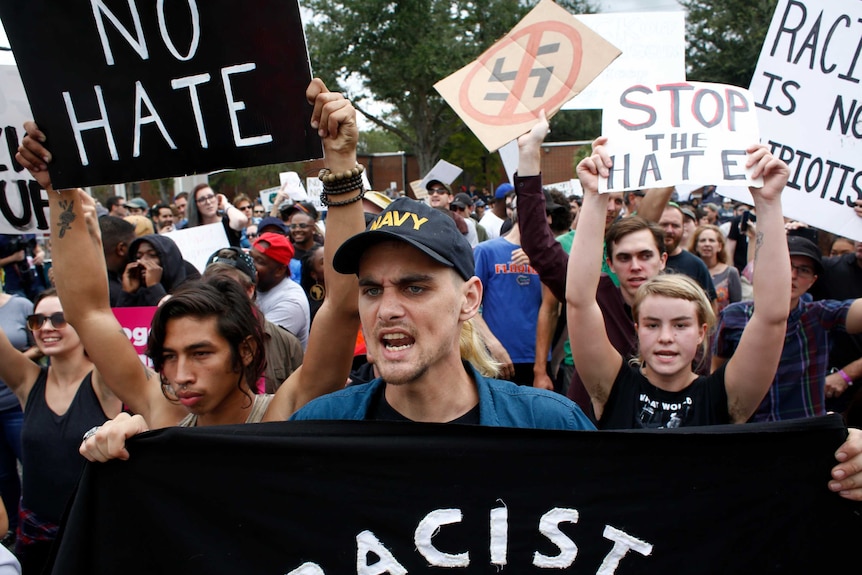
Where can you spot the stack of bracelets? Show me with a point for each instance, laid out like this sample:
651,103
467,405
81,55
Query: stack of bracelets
341,183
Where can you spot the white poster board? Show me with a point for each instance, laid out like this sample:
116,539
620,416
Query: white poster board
679,133
442,171
198,243
23,204
653,51
809,103
509,154
567,188
267,197
293,185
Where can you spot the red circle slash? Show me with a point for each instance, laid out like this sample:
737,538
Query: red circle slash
533,35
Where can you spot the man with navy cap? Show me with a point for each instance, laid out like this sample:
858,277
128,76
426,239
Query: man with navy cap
417,290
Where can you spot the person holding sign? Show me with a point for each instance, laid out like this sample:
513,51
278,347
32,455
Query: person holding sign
207,207
206,340
673,317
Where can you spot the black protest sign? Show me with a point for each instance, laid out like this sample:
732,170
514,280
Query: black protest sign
129,91
312,498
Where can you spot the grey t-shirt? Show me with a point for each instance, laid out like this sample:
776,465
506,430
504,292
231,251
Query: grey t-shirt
13,322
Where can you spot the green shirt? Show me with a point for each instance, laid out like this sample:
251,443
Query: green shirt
566,241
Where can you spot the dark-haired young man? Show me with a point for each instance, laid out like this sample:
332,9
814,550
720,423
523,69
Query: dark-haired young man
283,349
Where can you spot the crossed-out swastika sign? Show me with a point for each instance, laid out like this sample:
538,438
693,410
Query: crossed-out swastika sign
546,60
522,77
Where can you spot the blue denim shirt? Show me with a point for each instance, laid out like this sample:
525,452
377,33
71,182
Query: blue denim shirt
501,404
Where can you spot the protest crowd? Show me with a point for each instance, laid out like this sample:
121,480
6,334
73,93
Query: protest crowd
516,306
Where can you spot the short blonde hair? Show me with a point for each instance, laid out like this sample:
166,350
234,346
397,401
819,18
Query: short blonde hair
682,287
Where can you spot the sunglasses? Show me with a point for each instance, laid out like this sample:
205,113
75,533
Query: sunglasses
37,320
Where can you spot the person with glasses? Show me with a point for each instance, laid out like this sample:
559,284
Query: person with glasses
302,228
258,212
799,387
60,403
243,204
207,207
440,197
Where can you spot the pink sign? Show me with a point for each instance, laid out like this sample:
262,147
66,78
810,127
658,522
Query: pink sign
136,323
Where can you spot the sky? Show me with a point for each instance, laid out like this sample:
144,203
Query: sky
638,5
604,6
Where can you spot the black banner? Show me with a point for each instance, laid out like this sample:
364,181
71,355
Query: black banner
131,90
306,498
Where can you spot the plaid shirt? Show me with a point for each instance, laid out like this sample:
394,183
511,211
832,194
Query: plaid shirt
798,388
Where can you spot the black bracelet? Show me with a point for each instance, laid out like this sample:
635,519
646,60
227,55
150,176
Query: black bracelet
353,183
324,199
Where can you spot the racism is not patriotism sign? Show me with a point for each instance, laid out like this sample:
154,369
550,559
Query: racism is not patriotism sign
809,103
129,91
374,498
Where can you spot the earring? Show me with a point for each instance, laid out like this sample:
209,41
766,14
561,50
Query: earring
317,292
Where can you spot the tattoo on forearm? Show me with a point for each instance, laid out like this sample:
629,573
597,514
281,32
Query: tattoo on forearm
66,217
758,243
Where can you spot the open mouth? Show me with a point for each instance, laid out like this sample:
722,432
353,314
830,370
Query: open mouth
397,341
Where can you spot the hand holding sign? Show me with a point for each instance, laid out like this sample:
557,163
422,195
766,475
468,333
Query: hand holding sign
679,133
34,156
335,121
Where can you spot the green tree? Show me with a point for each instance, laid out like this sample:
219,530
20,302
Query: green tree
725,38
392,53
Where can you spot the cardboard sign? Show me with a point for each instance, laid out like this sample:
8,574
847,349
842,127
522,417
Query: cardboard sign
653,51
808,99
267,197
198,243
442,171
293,185
567,188
23,202
314,187
510,155
545,60
130,91
391,498
136,322
679,133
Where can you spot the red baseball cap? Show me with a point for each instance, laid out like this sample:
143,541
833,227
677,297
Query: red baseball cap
275,246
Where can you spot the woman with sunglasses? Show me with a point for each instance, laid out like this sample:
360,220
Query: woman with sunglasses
60,403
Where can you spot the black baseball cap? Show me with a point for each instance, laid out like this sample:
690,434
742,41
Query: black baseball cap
429,230
237,258
800,246
462,200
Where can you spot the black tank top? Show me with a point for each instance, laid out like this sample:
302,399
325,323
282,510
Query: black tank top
50,458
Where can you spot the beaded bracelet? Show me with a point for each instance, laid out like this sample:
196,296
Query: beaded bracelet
343,187
324,199
341,182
